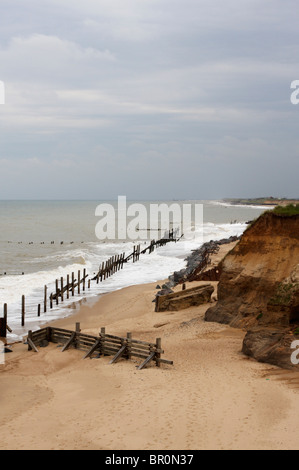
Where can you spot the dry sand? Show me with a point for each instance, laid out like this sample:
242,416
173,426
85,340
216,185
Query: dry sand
213,397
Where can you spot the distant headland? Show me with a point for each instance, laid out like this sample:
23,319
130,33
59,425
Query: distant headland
263,201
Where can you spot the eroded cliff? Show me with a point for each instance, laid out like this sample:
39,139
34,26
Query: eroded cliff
259,284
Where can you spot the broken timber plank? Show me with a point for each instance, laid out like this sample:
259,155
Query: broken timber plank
93,348
147,360
32,345
70,341
118,354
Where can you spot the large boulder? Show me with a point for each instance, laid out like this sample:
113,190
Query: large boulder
273,346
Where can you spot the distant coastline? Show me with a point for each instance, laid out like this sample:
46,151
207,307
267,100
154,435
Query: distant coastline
262,201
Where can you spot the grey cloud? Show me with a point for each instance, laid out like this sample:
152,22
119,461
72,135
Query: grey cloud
156,96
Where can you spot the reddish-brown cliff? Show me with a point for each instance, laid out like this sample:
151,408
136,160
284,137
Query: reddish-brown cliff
259,283
260,276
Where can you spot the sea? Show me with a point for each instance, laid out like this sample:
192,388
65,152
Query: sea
41,241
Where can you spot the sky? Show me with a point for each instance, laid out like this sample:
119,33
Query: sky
149,99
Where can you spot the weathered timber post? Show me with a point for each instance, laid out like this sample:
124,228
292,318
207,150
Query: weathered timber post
38,310
51,300
79,275
29,337
158,355
102,335
3,322
61,289
5,315
157,303
56,286
77,340
23,311
45,299
111,265
67,286
84,275
129,344
102,271
73,284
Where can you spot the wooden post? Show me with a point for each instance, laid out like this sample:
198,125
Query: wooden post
73,284
56,283
157,303
23,310
68,286
77,338
84,275
3,323
38,310
61,288
31,344
129,344
111,266
158,346
79,281
5,313
102,271
51,300
45,299
102,334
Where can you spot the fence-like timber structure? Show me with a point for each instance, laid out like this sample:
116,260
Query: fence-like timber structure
79,282
102,345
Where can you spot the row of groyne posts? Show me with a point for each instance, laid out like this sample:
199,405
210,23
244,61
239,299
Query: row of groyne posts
64,289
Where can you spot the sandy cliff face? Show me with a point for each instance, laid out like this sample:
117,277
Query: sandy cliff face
259,284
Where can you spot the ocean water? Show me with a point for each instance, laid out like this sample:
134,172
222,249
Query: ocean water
41,241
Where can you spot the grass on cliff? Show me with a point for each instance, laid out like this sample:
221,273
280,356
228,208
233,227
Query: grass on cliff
283,294
290,210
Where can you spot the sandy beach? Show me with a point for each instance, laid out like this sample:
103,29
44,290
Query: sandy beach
213,397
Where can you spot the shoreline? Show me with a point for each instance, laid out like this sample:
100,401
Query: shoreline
213,397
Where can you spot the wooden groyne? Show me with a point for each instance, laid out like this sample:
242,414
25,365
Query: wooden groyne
80,281
102,345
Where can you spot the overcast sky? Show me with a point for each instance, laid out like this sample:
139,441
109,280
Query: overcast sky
151,99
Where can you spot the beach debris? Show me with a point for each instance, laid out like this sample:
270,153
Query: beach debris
184,299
